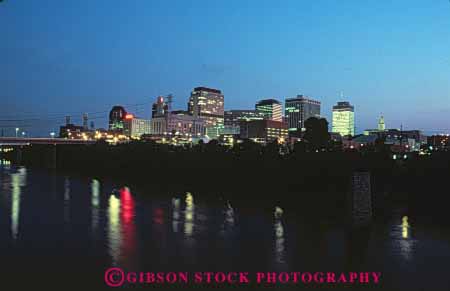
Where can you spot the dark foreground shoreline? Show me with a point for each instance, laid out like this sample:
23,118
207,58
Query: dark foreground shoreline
315,185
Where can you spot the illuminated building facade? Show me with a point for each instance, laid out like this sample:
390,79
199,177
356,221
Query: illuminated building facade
298,110
270,109
135,127
381,124
234,117
343,119
264,131
116,119
177,123
208,104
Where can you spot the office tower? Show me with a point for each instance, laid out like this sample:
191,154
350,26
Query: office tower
381,124
343,119
116,118
207,104
298,110
271,109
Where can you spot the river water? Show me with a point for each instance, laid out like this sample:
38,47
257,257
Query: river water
61,230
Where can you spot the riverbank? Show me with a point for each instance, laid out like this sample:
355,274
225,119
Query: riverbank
315,184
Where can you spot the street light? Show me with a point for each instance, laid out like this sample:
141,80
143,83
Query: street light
52,134
17,131
23,133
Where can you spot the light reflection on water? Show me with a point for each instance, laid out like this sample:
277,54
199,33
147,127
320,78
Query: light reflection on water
406,242
227,226
279,240
189,213
18,180
121,227
128,229
114,229
95,205
66,201
176,214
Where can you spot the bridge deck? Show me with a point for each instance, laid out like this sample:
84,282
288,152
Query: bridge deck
14,141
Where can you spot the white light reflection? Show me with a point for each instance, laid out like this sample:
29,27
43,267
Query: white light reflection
229,221
114,231
5,164
406,243
176,214
18,180
405,227
278,212
189,215
95,203
279,237
229,214
66,200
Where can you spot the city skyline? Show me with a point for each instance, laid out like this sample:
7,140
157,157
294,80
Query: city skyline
138,112
67,59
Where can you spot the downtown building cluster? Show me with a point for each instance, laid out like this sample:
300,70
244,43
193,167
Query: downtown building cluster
206,119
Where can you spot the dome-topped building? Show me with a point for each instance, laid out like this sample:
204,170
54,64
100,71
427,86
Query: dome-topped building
116,118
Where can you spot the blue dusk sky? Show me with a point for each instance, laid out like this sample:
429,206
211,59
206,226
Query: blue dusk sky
62,58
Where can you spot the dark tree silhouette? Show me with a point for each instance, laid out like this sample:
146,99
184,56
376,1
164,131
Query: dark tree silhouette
272,149
300,147
317,133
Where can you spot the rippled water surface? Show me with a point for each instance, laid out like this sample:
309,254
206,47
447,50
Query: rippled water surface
56,224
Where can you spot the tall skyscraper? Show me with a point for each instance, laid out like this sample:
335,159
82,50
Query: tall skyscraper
298,110
271,109
208,104
343,119
381,124
116,118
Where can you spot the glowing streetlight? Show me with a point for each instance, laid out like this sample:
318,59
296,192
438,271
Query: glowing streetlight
23,133
52,134
17,131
